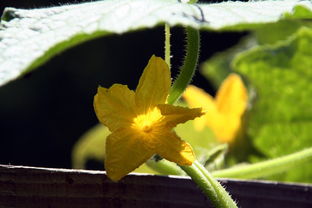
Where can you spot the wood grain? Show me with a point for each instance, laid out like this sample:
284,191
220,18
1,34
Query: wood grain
24,187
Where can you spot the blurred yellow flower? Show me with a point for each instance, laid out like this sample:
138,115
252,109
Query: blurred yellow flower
224,113
141,123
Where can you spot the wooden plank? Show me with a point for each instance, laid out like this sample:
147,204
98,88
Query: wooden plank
22,186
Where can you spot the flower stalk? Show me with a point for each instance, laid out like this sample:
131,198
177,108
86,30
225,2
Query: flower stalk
205,181
216,193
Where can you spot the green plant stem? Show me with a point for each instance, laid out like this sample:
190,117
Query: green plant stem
187,70
266,168
211,187
164,167
217,195
167,45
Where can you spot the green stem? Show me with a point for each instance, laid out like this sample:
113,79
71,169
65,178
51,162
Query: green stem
187,70
202,183
217,195
211,187
164,167
167,45
266,168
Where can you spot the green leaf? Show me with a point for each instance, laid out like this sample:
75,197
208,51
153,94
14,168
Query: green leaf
219,66
279,31
29,38
280,120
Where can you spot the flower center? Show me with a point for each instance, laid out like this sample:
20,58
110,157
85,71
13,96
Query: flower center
147,122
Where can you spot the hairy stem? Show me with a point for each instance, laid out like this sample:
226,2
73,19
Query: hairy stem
187,70
217,195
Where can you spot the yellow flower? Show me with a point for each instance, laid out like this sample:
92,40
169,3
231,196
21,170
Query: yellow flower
224,113
141,123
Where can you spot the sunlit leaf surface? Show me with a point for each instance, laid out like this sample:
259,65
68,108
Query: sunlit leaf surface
28,38
280,121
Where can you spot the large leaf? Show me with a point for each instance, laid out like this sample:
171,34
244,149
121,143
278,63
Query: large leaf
218,67
28,38
280,121
279,31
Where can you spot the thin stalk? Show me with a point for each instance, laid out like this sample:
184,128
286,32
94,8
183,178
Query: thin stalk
268,167
167,45
164,167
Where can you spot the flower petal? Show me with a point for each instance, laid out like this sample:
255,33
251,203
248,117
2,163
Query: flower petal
175,150
232,97
174,115
225,127
115,107
154,84
125,151
196,97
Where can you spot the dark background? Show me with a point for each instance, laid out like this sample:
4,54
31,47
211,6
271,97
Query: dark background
44,113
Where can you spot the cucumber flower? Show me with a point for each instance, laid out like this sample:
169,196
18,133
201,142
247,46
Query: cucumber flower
224,112
141,122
